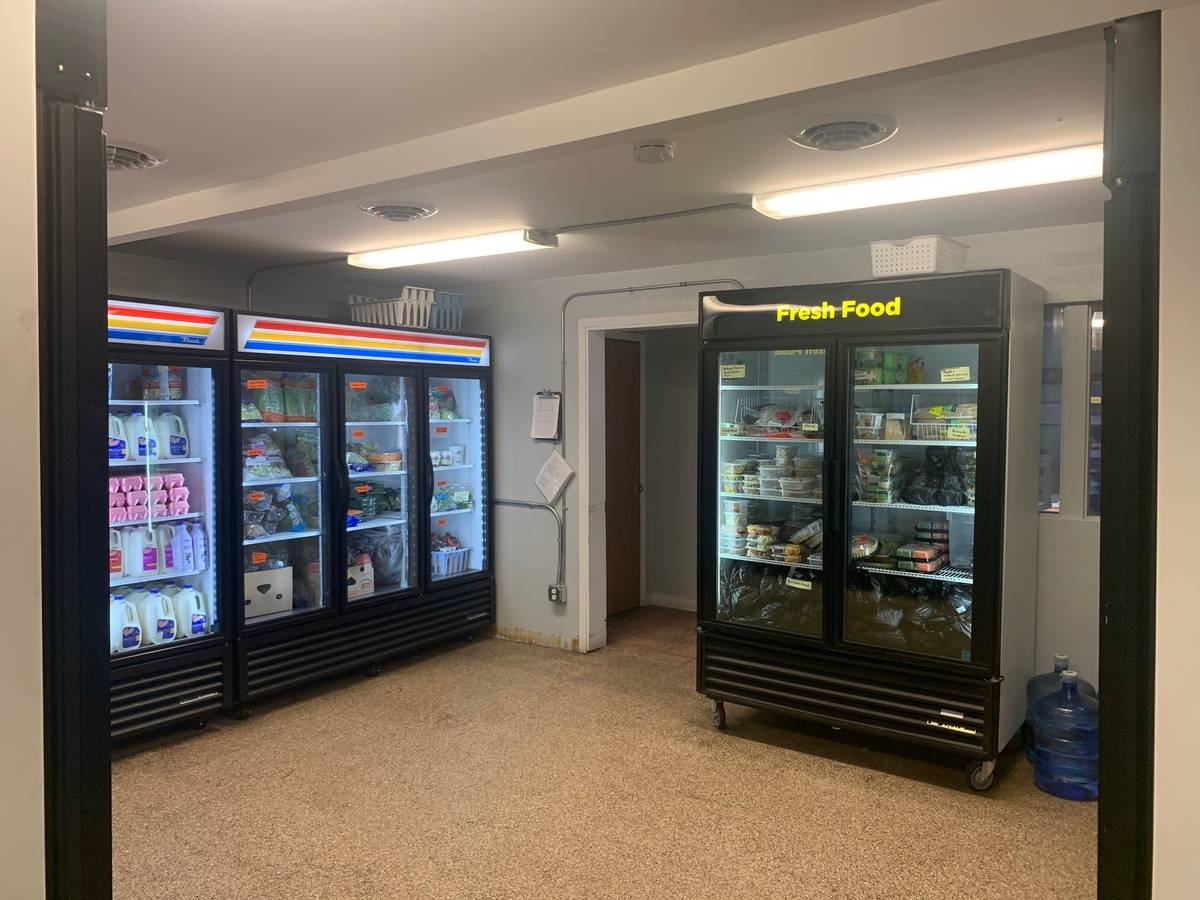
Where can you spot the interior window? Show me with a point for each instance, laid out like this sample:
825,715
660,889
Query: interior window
1050,457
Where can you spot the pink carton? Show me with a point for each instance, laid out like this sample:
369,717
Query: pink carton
179,508
118,514
179,493
116,500
114,485
158,497
154,482
136,498
131,483
159,510
136,513
173,479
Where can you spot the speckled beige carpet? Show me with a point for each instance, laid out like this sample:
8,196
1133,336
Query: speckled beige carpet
497,770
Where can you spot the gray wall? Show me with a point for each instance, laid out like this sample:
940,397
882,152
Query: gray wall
672,384
523,319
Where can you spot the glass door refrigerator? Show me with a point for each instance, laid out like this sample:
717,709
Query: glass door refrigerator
364,520
869,506
169,635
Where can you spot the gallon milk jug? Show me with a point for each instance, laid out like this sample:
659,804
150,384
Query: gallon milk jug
124,629
172,436
210,607
164,541
183,552
118,442
158,615
199,546
190,612
141,553
116,552
143,440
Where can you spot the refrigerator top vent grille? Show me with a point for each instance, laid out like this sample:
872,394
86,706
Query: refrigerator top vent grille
399,212
128,158
856,133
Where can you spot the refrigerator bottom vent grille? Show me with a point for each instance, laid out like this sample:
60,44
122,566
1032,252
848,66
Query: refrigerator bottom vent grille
947,712
151,701
277,664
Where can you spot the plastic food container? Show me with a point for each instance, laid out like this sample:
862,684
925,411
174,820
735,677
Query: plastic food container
863,545
785,454
737,506
919,565
737,467
734,520
776,472
868,425
732,484
757,528
797,485
923,552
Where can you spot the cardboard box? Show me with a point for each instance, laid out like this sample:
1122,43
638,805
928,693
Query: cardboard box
360,582
267,592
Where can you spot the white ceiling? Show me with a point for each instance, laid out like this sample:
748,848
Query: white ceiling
230,90
1002,102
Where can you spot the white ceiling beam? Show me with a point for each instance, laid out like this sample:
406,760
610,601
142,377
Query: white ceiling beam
912,37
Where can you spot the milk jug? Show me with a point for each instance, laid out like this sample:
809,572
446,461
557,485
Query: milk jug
141,553
164,538
183,552
199,546
158,615
210,607
124,629
116,552
172,436
190,612
118,442
143,440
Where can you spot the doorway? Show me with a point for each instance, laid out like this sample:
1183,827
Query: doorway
623,452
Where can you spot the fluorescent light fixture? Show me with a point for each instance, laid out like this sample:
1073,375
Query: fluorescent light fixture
455,248
1050,167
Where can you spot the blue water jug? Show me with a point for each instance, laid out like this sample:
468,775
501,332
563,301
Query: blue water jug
1066,760
1041,685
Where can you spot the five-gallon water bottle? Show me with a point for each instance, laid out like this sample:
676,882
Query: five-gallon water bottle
1041,685
1066,759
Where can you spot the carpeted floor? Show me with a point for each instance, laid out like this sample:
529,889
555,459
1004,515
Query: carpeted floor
496,770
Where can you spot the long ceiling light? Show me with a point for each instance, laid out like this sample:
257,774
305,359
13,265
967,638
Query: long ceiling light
1050,167
456,248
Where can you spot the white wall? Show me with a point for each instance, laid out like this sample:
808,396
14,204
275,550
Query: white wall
672,385
1177,655
524,319
21,786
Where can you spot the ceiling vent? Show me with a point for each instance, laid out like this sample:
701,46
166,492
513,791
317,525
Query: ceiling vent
128,158
399,212
849,133
656,150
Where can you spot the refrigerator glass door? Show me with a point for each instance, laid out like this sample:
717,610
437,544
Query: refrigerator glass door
770,487
162,505
381,464
456,472
915,419
284,541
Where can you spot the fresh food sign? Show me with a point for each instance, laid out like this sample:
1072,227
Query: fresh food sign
848,309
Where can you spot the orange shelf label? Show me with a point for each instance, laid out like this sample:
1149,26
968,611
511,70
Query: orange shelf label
256,496
362,488
440,429
255,451
258,557
441,521
358,434
358,385
256,384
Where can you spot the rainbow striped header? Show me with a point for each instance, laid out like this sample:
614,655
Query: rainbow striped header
164,326
292,337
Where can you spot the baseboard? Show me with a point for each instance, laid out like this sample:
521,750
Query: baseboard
672,601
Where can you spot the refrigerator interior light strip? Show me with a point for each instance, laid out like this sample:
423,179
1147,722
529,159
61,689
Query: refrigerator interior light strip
499,242
1048,167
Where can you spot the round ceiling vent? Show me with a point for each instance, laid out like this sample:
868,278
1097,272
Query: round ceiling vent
656,150
844,133
128,158
399,212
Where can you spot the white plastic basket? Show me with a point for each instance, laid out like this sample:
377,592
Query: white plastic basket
447,313
449,562
918,256
409,310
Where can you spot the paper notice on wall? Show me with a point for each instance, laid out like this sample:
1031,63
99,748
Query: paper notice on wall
553,477
545,417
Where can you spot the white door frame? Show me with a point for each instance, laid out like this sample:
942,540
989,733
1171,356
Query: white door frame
586,501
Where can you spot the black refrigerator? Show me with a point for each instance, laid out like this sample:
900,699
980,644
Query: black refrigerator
170,639
361,517
868,506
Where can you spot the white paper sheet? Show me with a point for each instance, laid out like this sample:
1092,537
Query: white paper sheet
545,417
553,477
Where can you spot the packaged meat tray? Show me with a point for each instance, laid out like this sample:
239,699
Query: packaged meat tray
918,565
923,552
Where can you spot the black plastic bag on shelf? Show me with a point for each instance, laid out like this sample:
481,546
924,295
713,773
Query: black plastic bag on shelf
390,557
872,615
940,482
739,591
801,599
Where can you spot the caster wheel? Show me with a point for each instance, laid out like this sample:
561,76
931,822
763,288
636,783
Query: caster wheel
243,713
469,636
375,669
200,724
718,715
982,776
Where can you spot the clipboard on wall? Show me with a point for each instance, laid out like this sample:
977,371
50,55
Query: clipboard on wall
547,415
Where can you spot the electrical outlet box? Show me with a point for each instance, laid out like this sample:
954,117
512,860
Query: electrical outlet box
557,593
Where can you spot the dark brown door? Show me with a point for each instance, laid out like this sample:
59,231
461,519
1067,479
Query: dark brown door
623,473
